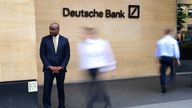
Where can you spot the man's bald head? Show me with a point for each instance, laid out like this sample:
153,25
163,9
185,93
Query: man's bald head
54,29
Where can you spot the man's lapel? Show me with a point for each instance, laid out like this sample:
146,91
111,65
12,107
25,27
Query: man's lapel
59,42
51,43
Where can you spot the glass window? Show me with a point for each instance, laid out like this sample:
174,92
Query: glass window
189,27
190,13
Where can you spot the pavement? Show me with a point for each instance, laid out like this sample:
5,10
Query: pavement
131,93
175,104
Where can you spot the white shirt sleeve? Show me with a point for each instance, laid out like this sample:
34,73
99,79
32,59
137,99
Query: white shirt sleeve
109,58
157,52
176,50
109,54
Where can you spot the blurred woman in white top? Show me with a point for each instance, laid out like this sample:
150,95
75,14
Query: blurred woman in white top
95,56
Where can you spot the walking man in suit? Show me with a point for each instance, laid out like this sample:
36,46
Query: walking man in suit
55,54
167,51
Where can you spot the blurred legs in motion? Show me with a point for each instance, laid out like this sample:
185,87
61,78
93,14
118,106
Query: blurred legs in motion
97,93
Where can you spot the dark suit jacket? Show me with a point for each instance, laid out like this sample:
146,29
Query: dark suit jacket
48,55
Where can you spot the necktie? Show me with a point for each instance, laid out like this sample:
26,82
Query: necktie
55,43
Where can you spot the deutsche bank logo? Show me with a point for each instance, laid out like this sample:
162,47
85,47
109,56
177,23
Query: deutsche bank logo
134,11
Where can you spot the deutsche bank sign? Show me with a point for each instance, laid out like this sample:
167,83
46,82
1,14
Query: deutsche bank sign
133,12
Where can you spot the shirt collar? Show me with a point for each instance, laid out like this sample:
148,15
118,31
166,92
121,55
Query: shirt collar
168,35
89,40
56,36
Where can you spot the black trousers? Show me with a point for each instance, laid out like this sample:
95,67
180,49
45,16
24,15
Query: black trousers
48,83
166,62
97,92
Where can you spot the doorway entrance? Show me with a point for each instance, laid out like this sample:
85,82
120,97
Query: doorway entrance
184,34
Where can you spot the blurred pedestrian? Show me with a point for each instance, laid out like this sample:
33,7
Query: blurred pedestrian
95,57
167,52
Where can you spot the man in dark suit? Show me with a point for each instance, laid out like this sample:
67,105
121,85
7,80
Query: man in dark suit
55,54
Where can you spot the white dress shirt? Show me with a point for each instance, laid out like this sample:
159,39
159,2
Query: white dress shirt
55,42
167,46
95,53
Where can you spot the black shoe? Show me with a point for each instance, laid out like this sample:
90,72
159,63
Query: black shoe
163,89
